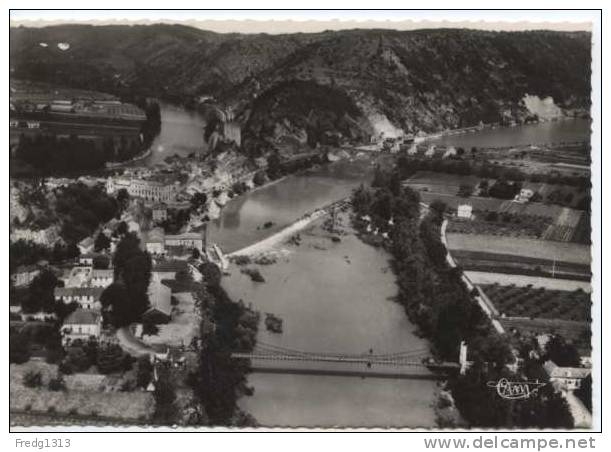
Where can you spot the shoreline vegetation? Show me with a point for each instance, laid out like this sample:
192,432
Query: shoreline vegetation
227,326
436,300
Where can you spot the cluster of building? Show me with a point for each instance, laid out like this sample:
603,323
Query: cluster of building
84,286
157,242
84,116
150,190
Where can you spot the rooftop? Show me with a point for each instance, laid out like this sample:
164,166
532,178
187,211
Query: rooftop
170,266
83,317
555,371
155,235
160,297
96,292
103,273
185,236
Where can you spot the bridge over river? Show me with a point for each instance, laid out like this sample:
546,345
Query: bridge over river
412,364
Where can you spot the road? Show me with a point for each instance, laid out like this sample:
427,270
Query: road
130,344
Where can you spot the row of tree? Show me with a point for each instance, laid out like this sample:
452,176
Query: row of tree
126,299
436,299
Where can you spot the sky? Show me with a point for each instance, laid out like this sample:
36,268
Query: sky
275,22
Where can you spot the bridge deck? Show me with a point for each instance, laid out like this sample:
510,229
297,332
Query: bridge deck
349,366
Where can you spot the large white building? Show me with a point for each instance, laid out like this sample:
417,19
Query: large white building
146,189
187,240
86,297
82,324
566,378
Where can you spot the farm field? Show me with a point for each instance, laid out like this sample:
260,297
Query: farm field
506,225
448,184
453,201
87,395
480,278
521,265
541,249
514,301
440,182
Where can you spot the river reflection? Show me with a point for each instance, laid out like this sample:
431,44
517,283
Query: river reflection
545,132
181,133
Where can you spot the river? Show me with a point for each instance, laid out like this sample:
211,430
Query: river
181,133
569,129
333,297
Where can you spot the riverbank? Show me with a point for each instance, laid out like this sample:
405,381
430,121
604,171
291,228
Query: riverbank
116,165
284,234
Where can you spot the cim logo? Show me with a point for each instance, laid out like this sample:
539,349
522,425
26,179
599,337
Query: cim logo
515,389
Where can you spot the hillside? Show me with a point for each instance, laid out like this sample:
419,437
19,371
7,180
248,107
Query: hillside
423,80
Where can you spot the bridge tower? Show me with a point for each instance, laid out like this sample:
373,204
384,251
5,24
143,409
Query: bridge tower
462,358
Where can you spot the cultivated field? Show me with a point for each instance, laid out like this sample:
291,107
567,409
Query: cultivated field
513,301
541,249
480,278
87,395
521,265
512,226
440,183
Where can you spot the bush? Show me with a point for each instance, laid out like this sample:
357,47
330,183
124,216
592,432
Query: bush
32,379
57,383
76,360
110,359
255,274
259,178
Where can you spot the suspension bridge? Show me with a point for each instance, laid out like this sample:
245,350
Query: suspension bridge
406,364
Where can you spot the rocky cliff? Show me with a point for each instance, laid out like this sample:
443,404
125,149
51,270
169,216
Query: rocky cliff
303,87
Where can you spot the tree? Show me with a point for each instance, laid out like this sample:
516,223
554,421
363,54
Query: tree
274,169
76,360
132,268
465,190
585,392
561,352
149,328
166,411
57,383
144,371
102,242
118,308
101,262
40,293
123,198
211,274
110,359
183,276
259,178
32,379
122,229
198,200
19,348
